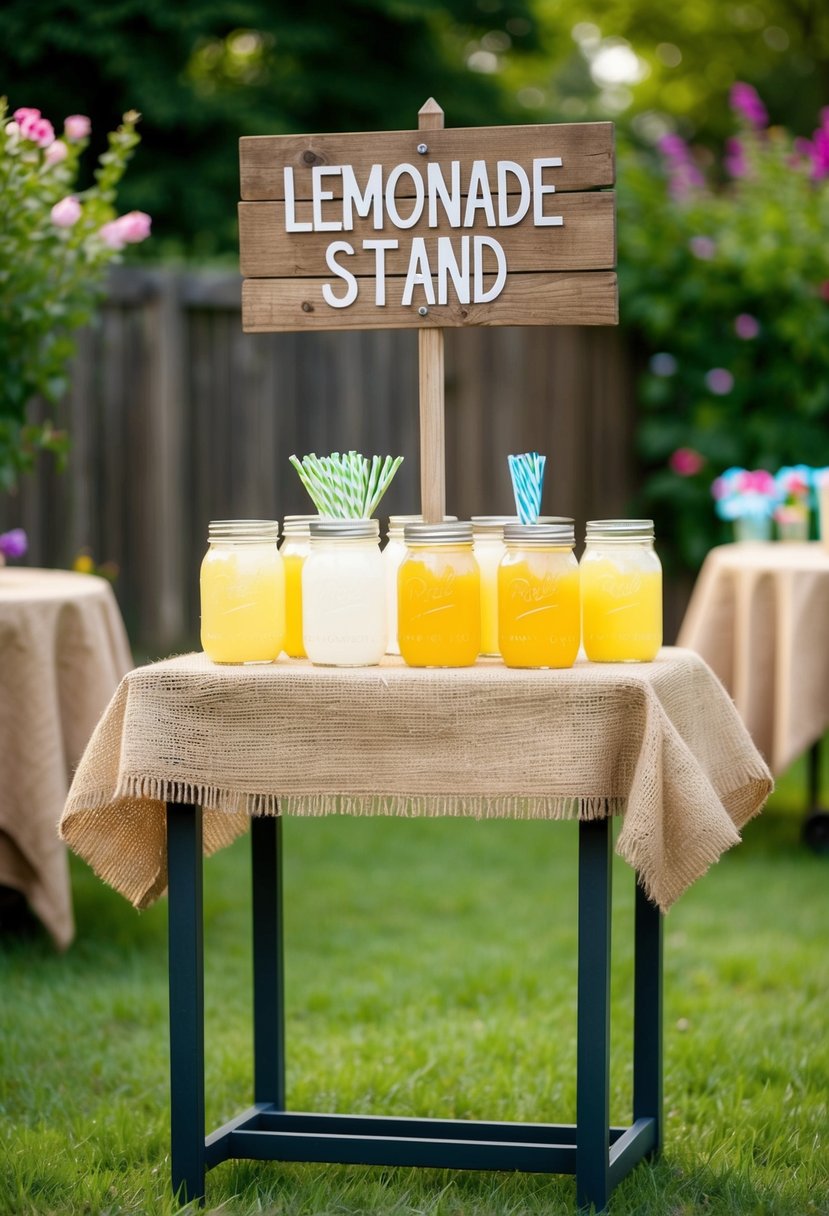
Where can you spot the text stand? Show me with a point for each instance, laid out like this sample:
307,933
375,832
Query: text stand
430,363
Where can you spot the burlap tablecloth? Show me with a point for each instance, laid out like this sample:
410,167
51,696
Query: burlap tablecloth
63,650
759,615
659,743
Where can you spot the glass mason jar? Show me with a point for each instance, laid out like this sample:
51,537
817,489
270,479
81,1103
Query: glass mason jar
393,555
296,546
439,597
621,592
539,613
242,592
343,594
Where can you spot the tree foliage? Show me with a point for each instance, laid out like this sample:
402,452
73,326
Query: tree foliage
204,73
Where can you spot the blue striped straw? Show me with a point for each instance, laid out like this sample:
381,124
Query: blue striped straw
527,473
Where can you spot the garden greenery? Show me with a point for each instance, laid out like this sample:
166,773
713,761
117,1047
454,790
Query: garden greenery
725,280
55,245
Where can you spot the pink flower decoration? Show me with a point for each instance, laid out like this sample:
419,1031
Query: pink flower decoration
746,326
66,213
56,152
757,481
702,247
686,462
719,380
745,100
77,126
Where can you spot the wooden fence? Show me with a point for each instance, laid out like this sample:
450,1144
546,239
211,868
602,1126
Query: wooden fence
177,417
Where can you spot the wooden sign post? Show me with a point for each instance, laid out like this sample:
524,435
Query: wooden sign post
429,229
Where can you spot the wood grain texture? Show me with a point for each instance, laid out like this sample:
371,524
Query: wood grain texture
585,241
582,298
432,386
586,150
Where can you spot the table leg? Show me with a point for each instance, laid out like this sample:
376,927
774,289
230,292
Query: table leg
647,1016
268,970
593,1061
186,962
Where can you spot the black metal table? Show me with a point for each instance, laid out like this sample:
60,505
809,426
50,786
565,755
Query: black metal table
599,1155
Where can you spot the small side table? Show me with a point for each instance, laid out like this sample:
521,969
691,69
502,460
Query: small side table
598,1154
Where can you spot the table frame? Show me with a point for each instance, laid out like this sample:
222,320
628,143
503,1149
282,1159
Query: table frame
599,1155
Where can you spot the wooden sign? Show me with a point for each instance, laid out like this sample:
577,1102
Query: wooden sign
430,228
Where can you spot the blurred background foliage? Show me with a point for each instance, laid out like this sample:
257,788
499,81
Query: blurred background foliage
205,72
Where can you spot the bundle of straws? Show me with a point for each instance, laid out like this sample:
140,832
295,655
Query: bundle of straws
345,485
527,472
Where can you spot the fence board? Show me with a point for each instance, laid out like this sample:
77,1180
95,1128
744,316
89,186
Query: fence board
179,418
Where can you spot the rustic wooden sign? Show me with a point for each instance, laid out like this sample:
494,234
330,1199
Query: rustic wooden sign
429,228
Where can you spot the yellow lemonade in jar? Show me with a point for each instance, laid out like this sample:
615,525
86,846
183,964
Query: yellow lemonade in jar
539,614
242,593
439,597
621,592
295,549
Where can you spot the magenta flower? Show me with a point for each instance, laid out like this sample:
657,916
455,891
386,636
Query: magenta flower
746,101
77,126
33,127
683,174
719,380
702,247
56,152
757,481
14,543
66,213
735,161
746,326
686,462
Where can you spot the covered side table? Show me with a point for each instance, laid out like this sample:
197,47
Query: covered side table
188,752
63,650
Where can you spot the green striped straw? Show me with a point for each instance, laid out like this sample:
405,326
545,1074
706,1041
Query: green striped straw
344,485
527,473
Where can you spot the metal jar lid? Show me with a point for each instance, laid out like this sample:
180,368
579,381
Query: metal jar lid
458,532
297,525
619,529
559,535
243,531
344,529
486,526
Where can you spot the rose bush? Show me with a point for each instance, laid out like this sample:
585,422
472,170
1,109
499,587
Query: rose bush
724,271
55,244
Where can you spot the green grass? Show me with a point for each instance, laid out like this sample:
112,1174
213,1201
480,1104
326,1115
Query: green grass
431,971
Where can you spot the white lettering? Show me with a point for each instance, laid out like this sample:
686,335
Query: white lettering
479,196
292,224
351,291
370,200
437,189
482,295
391,203
539,190
380,248
419,273
320,196
505,219
448,268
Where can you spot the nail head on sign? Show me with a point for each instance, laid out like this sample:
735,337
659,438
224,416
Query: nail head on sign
423,149
423,310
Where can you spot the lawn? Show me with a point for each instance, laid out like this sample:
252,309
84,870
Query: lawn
431,971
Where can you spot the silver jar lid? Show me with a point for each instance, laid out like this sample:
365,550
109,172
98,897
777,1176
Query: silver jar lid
243,531
344,529
457,532
619,529
297,525
484,526
559,535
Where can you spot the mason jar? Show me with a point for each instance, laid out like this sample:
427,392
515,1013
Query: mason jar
242,592
296,545
344,594
621,592
539,612
439,597
393,555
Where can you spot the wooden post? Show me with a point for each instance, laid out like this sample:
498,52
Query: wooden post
430,360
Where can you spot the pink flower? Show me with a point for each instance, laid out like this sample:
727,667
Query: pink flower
720,488
735,161
25,114
32,127
128,229
702,247
14,543
683,174
719,380
745,100
56,152
686,462
77,126
757,481
746,326
66,213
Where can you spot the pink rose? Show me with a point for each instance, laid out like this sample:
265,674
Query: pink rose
25,114
66,213
77,126
56,152
39,130
111,235
686,462
134,226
